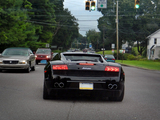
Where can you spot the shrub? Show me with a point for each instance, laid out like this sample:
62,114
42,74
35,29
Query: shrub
131,57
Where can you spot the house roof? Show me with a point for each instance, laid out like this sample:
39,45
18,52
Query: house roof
154,33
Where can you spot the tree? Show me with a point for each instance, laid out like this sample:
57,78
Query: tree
134,24
93,37
13,23
44,19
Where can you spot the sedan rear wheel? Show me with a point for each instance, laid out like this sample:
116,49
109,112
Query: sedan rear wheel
120,98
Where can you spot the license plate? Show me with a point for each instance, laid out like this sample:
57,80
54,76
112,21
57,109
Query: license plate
86,86
43,61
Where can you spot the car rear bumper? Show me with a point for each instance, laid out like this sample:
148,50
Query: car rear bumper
74,89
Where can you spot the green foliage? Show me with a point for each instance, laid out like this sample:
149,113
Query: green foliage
131,57
93,37
134,24
33,45
146,64
66,29
14,28
33,23
107,52
134,51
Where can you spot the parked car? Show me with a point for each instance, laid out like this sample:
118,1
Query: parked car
109,58
17,58
77,73
43,55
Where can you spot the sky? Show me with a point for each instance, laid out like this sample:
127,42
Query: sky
86,20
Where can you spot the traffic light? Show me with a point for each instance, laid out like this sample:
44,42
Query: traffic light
136,5
93,5
87,5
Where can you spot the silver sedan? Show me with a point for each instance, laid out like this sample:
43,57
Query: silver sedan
17,58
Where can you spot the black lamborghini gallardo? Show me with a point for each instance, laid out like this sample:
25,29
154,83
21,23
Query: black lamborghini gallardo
75,73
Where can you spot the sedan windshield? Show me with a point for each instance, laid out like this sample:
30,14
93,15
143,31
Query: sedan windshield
44,51
15,52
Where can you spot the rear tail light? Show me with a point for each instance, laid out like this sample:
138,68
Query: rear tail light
86,64
112,69
59,67
113,59
105,58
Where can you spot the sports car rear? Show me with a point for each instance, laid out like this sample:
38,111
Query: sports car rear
74,77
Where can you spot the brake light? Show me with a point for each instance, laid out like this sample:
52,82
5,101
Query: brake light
113,59
112,69
86,64
59,67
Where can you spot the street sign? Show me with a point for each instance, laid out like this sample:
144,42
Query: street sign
54,46
90,45
121,51
102,3
102,48
47,45
113,46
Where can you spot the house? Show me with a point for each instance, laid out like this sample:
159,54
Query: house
153,46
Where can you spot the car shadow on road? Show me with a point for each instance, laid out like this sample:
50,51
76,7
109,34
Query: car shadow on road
84,98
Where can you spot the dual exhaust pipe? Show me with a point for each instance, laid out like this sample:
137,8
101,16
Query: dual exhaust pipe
59,85
112,86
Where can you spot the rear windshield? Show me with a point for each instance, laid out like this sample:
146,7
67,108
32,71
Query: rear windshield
82,57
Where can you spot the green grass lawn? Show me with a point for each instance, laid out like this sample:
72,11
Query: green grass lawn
148,64
106,52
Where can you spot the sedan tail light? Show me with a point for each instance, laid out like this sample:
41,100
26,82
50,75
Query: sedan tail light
59,67
112,69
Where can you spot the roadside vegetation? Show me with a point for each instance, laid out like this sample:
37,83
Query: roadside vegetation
146,64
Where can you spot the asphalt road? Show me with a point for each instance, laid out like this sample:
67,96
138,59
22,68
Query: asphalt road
21,99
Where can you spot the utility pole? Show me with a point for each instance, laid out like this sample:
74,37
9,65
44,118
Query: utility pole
103,41
117,30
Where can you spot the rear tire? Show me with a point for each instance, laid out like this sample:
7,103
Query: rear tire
45,93
119,99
